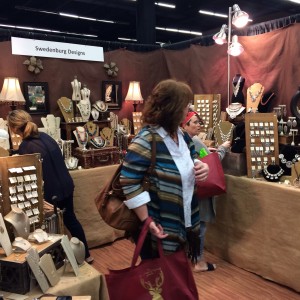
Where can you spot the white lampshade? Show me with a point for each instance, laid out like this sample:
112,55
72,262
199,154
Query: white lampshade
239,18
235,49
11,91
221,37
134,92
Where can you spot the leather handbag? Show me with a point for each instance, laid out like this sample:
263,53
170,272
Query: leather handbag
215,183
110,200
167,277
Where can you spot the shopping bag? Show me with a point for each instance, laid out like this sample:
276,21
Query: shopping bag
167,277
215,183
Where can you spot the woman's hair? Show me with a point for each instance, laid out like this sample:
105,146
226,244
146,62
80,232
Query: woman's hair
21,122
166,104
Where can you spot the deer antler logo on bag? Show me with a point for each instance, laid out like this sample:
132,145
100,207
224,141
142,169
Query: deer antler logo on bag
153,281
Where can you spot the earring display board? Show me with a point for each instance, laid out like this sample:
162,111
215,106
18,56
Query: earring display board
137,122
208,107
21,186
262,148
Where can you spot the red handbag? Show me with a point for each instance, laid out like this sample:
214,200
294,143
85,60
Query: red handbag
215,183
167,277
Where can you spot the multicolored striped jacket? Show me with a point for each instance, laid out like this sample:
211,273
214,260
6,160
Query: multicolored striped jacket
166,205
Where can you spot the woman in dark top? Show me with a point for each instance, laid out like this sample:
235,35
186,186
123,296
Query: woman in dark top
58,184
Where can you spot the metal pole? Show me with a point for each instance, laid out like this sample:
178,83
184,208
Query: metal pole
228,56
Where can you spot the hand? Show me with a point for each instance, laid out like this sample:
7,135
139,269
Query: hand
157,230
226,145
201,171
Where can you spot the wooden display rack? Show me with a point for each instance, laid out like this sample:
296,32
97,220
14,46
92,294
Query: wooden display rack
7,164
262,145
208,106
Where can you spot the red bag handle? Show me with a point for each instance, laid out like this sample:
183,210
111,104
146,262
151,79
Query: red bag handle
141,240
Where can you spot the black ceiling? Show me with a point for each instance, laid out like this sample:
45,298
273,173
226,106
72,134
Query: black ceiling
184,16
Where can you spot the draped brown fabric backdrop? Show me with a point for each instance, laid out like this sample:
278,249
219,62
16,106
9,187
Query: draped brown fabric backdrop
271,59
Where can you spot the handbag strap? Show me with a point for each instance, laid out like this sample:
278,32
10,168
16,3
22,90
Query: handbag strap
140,242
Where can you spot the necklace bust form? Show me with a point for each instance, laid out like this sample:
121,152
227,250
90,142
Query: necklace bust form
254,95
76,86
20,222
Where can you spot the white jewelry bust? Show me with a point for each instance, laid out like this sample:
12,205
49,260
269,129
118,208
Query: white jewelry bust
78,250
76,86
20,222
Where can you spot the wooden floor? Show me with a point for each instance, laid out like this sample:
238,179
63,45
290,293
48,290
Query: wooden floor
227,282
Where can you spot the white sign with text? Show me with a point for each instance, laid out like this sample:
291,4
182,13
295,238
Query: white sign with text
21,46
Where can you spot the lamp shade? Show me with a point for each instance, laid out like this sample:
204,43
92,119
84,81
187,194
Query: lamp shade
134,92
221,37
235,49
11,91
239,18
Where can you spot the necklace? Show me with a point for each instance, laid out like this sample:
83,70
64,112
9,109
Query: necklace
84,108
225,137
254,96
289,163
107,134
265,102
273,176
69,108
98,142
237,86
91,128
81,135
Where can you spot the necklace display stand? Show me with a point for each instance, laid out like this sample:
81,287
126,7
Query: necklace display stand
254,96
84,107
234,110
108,135
81,137
4,143
70,161
238,82
46,263
21,245
78,250
76,86
66,107
51,126
70,255
92,130
114,120
4,238
20,222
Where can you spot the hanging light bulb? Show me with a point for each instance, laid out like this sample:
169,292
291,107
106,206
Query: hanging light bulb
235,49
239,18
221,37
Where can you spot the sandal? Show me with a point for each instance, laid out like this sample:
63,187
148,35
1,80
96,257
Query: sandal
210,267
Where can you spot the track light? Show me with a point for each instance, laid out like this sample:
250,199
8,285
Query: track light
221,37
239,18
235,48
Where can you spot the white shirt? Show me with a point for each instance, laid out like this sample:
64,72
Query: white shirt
182,158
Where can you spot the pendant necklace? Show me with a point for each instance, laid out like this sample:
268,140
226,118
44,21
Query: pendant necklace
107,133
255,95
273,176
91,129
289,163
265,102
98,142
236,87
66,109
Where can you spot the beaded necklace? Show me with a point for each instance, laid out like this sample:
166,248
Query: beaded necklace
237,86
66,109
254,96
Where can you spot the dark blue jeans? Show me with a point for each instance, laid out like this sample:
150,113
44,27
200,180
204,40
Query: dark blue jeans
71,222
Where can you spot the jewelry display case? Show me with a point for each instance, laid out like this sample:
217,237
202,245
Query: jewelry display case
208,106
262,148
21,186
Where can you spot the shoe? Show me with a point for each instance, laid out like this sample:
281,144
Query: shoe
210,267
89,259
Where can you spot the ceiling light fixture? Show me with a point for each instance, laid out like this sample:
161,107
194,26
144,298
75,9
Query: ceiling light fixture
211,13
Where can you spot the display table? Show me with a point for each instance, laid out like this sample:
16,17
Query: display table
89,282
88,183
258,228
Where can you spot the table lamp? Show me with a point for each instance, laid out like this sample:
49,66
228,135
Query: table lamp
11,92
134,94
